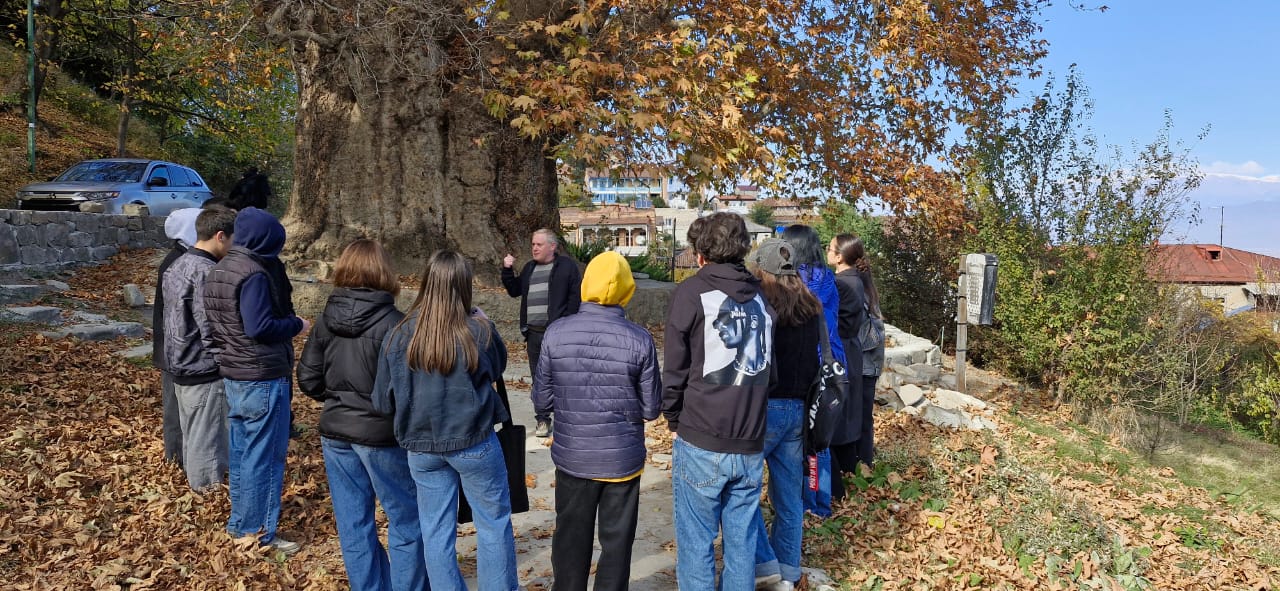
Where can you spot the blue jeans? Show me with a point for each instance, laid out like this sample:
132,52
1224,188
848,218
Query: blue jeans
258,425
778,549
356,474
482,474
715,493
818,501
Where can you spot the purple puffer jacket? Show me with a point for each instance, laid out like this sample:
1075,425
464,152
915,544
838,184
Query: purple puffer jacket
598,373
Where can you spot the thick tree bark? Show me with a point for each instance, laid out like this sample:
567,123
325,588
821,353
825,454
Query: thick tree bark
390,148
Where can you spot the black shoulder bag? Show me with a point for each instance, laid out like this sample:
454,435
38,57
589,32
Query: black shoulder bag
512,439
824,403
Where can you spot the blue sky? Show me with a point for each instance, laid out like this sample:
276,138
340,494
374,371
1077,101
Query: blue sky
1209,64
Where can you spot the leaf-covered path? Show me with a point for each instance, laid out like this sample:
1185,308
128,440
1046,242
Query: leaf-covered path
86,503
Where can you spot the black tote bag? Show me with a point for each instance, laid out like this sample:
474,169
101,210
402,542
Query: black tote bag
827,394
512,439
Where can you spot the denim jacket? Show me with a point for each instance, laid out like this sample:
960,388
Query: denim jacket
437,413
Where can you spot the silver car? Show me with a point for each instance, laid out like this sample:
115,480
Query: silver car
149,187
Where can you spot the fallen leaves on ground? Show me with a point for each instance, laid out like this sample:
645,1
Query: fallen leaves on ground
87,503
962,510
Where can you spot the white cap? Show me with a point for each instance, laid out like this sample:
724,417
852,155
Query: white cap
181,226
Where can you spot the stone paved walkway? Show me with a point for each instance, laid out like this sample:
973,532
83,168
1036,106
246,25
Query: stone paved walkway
653,555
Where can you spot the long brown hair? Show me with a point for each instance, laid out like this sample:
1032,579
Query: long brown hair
853,253
441,311
364,263
790,298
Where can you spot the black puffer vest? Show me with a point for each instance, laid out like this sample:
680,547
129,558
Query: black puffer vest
240,357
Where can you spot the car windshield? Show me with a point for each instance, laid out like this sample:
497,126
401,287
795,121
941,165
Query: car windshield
107,172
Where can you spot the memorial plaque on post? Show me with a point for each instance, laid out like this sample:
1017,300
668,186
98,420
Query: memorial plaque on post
980,288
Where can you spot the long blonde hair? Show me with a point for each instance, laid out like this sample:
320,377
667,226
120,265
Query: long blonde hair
441,311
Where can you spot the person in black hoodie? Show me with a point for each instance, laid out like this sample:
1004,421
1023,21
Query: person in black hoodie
362,459
717,374
180,227
252,190
252,325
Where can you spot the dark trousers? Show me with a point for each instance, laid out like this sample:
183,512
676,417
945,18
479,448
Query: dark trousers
171,428
867,443
845,458
577,502
533,344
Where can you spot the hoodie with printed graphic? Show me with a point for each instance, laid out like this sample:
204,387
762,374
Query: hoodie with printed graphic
718,362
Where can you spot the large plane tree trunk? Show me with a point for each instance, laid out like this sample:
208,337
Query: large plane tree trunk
394,145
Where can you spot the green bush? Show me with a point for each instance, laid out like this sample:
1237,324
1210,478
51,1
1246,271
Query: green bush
586,251
1073,229
656,269
1257,405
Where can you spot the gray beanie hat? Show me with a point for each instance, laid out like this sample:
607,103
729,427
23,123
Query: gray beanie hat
773,256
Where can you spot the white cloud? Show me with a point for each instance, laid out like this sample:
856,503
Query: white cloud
1247,169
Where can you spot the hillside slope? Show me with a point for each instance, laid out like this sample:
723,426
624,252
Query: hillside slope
74,125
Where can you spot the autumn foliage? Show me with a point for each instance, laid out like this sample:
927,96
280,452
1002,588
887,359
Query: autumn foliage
848,97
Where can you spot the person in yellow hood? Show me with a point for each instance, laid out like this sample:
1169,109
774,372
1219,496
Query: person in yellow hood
608,280
598,445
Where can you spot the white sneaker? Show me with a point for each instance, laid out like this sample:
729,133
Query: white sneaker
783,586
765,581
285,546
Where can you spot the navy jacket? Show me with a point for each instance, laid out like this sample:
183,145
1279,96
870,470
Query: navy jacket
434,412
599,373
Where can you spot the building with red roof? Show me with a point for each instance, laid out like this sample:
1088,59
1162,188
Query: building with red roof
1237,279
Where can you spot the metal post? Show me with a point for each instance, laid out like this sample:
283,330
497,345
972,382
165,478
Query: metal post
31,84
1222,215
674,221
962,329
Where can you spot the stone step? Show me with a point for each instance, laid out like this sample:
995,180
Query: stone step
99,332
12,294
142,351
35,314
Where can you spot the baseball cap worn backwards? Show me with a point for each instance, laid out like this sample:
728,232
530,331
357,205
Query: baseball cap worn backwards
773,257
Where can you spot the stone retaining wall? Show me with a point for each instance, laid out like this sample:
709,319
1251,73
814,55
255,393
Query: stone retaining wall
43,238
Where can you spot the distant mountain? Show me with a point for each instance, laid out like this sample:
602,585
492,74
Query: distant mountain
1250,218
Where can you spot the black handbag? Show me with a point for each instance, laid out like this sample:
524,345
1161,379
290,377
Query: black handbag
824,405
512,439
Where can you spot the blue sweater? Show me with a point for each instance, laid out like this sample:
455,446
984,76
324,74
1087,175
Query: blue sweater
434,412
822,284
